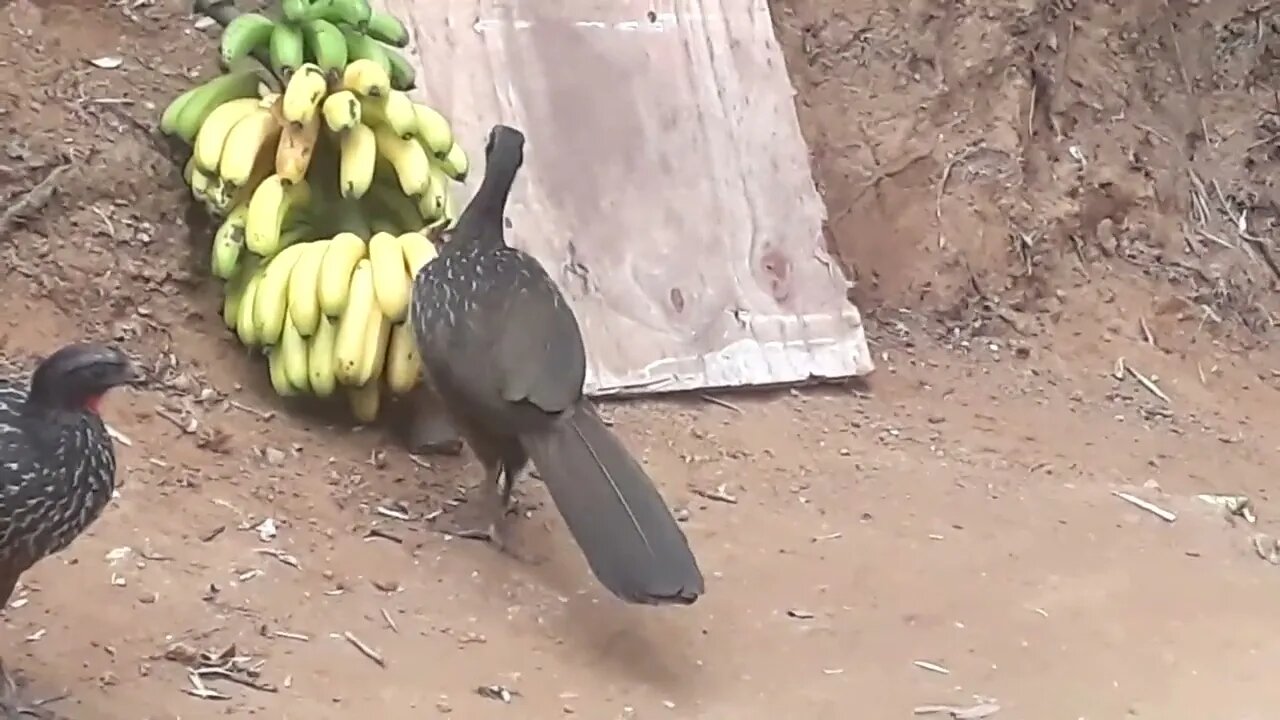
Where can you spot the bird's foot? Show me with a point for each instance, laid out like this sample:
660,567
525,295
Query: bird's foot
13,704
493,532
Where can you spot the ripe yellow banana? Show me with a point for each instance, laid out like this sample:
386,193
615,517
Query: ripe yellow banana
395,110
233,291
377,333
431,203
413,169
200,183
251,137
341,111
433,130
272,203
365,401
293,352
346,251
359,153
455,163
302,96
279,373
390,275
366,77
353,327
417,250
228,244
212,136
246,328
271,301
403,367
320,358
304,284
297,145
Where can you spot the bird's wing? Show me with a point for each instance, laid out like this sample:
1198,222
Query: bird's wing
540,352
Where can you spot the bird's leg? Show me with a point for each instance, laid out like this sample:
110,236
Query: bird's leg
487,509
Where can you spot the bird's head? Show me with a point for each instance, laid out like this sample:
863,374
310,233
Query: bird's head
76,377
506,144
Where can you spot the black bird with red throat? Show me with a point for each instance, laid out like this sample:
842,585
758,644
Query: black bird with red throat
57,462
504,352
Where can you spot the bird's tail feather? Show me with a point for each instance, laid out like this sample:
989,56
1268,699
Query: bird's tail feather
615,513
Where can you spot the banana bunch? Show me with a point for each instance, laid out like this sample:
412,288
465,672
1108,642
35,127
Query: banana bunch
333,313
328,33
328,182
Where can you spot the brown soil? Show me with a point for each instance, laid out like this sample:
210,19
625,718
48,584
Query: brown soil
1014,186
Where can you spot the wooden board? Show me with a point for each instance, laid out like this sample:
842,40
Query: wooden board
666,185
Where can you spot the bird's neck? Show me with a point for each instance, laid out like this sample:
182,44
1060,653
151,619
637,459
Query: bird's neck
482,222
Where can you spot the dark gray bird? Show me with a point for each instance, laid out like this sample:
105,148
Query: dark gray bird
57,463
504,351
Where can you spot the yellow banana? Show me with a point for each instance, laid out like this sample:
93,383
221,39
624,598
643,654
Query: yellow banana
271,205
433,129
431,203
297,145
395,110
304,284
271,301
390,275
200,184
246,328
377,333
417,250
233,291
413,169
228,243
353,327
279,373
365,401
341,111
346,251
403,366
212,136
359,153
302,96
320,359
366,77
455,163
251,137
293,352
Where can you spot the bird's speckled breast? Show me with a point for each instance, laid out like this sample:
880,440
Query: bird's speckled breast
57,475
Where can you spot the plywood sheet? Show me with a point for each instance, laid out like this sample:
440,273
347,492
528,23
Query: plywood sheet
666,185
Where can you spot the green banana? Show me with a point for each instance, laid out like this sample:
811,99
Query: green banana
387,28
327,45
287,50
172,111
403,76
195,109
296,10
244,34
363,47
356,13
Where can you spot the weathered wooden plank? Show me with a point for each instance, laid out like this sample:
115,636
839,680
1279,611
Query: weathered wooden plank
666,184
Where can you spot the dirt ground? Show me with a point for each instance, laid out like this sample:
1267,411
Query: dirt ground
1042,203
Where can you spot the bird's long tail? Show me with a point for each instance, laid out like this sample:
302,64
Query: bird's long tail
614,511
